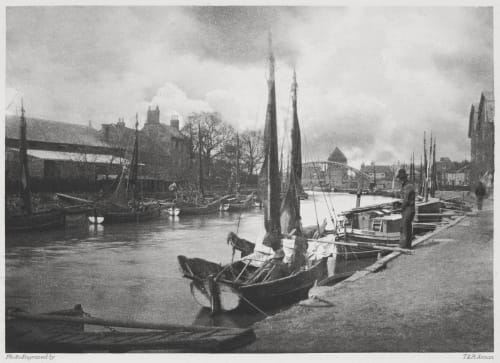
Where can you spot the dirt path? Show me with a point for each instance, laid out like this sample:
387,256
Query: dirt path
438,300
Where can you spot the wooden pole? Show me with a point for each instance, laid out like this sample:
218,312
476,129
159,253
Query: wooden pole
115,323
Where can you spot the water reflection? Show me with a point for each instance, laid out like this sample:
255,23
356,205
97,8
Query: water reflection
130,271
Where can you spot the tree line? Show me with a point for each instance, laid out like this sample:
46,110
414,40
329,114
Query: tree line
220,154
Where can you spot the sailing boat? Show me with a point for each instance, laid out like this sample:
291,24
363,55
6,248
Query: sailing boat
30,219
252,281
119,209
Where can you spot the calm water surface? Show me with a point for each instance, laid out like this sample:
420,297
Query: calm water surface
130,271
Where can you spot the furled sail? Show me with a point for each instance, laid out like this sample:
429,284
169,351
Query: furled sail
269,181
290,207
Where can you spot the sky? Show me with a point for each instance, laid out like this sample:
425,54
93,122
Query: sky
371,80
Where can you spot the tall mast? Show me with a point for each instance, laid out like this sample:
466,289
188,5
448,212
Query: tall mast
200,178
429,166
426,195
269,181
434,167
23,154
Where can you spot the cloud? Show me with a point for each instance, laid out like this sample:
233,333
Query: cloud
371,80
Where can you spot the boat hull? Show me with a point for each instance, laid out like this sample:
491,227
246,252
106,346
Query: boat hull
193,211
233,296
35,222
132,216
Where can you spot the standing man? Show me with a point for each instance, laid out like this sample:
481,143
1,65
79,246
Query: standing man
480,193
407,209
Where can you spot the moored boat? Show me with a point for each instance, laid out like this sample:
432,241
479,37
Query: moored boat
36,221
30,219
285,271
229,287
119,209
376,225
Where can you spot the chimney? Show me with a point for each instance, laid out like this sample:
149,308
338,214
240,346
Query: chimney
105,128
174,122
153,116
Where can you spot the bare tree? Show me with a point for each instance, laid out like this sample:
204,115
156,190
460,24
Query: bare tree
214,134
251,149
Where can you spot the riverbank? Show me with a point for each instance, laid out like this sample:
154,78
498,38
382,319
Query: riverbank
440,299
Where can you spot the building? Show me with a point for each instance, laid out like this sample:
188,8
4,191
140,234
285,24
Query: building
61,156
68,157
163,149
336,173
381,175
482,136
458,177
444,167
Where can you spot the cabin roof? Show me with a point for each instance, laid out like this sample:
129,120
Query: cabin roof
337,156
53,132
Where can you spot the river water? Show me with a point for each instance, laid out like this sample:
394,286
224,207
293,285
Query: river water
130,271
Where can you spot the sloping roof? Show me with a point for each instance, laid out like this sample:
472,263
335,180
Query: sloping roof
166,130
337,156
54,132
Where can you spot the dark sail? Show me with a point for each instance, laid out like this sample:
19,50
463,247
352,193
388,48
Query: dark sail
269,181
23,154
290,207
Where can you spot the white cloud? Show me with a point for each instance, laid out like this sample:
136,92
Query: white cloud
371,80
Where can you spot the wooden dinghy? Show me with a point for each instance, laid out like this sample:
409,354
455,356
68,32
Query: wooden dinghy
63,332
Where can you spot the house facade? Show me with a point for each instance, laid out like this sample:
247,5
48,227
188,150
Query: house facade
381,176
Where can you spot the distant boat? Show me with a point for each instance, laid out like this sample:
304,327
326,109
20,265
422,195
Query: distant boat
30,219
192,209
241,205
119,209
